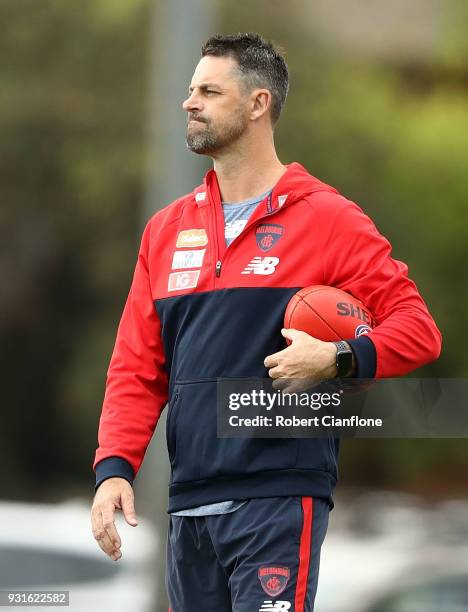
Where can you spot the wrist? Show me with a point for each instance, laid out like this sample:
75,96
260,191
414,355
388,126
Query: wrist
330,371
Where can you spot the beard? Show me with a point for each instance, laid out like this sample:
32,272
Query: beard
206,138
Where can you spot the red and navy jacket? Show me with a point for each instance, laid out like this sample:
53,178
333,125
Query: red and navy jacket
198,311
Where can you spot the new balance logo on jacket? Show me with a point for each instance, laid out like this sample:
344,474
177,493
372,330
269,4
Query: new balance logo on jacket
261,265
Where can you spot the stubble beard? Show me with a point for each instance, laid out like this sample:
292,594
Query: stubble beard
207,139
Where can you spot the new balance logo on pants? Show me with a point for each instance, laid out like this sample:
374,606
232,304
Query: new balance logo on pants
278,606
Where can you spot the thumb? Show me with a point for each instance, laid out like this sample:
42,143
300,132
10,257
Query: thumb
128,510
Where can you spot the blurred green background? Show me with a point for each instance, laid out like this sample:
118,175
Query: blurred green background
378,107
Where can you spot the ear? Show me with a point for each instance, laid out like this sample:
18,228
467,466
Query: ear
260,103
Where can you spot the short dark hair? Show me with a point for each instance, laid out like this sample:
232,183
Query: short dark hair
259,62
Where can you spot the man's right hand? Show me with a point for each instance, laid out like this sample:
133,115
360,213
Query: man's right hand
113,494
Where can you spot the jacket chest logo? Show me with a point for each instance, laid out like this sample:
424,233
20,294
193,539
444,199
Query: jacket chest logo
188,259
261,265
192,238
178,281
268,234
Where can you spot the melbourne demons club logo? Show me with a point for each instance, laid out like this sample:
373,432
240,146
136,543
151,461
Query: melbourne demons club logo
273,579
268,234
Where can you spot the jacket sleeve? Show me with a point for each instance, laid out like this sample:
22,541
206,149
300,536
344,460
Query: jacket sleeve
357,259
136,388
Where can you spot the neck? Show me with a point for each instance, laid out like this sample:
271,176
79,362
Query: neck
248,172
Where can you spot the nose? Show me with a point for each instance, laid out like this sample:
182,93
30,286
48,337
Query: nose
192,103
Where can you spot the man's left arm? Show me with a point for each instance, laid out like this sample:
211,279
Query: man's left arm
357,259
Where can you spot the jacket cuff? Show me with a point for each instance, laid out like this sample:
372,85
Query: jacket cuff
365,356
113,467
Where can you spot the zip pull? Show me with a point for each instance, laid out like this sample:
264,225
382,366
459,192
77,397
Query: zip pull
218,268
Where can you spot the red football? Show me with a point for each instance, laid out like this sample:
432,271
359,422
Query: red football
328,314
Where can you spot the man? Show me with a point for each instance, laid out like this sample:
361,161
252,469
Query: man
247,516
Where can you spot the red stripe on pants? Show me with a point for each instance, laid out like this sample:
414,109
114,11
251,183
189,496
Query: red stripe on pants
304,554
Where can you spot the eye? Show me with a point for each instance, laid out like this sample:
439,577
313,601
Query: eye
211,91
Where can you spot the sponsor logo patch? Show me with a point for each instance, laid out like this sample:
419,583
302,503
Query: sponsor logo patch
188,259
183,280
273,579
361,330
261,265
192,238
268,234
278,606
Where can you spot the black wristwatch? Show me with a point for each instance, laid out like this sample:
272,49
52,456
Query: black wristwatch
344,358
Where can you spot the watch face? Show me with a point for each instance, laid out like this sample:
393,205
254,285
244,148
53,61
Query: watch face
344,362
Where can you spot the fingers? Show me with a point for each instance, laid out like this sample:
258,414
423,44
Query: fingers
281,384
295,334
107,545
291,335
275,372
128,509
101,527
295,385
287,386
272,360
108,523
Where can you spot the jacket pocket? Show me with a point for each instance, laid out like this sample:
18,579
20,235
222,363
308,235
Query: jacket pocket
196,452
171,423
191,427
334,446
316,454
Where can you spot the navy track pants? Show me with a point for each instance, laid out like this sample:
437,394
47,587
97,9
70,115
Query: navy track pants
262,557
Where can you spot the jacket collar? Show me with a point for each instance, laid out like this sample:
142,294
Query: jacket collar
294,184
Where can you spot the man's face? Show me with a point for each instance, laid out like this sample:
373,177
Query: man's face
217,108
